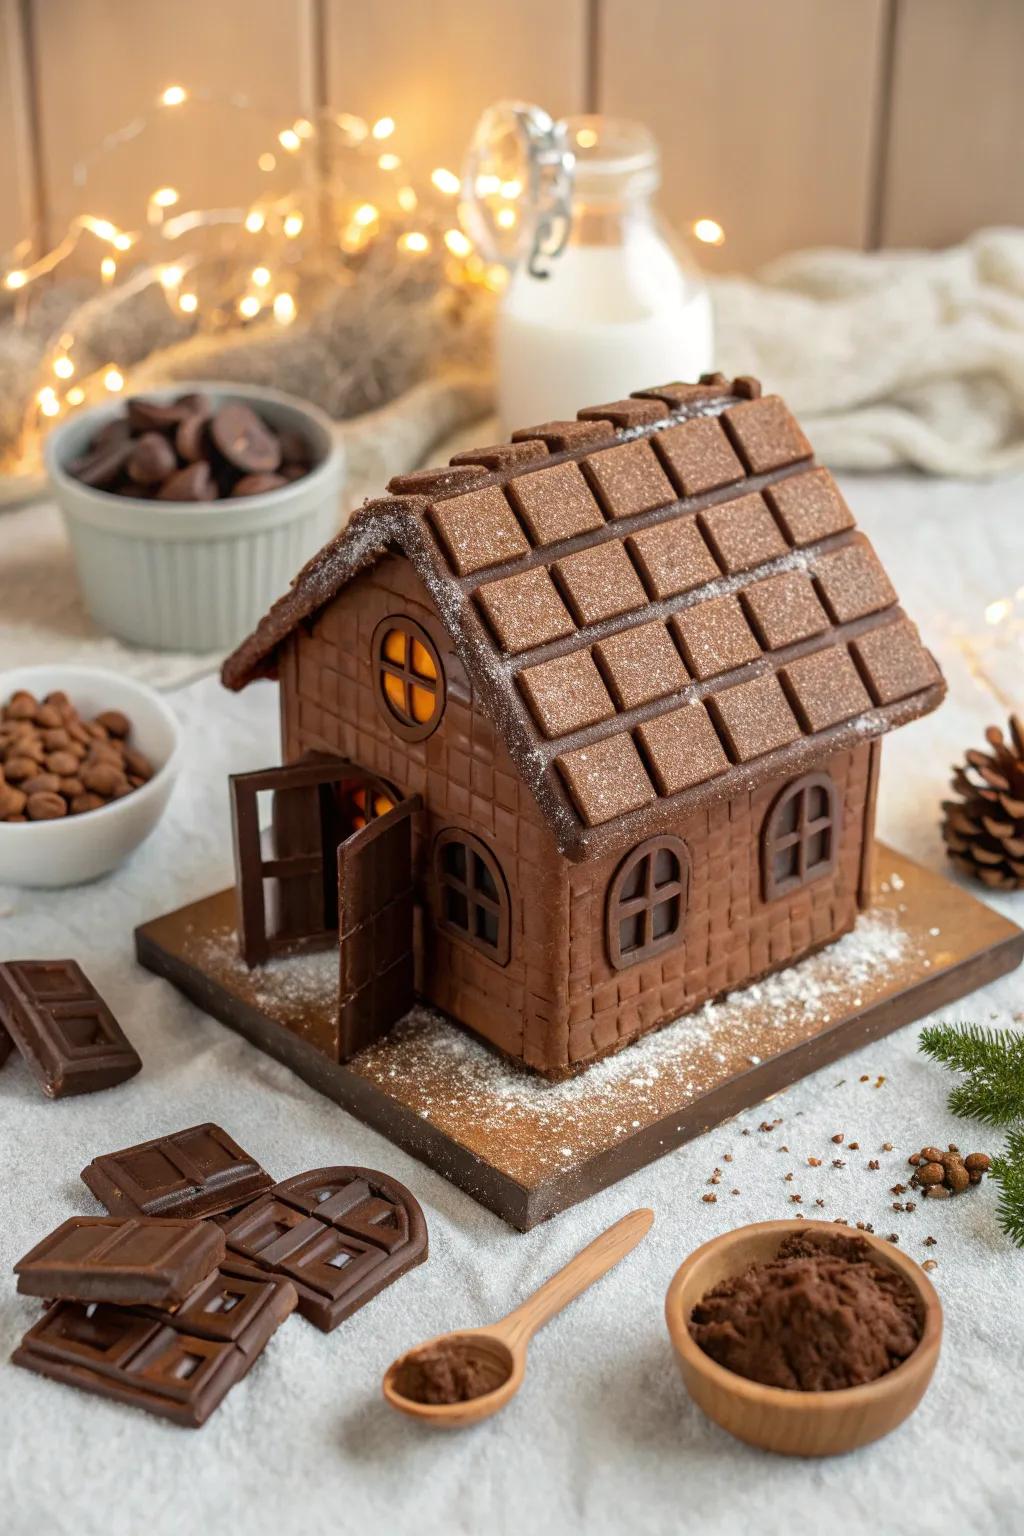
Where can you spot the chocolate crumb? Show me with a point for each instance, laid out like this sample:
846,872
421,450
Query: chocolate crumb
820,1203
838,1162
911,1205
727,1157
853,1146
886,1146
874,1165
789,1178
838,1138
930,1264
898,1189
734,1191
796,1199
865,1077
709,1199
814,1162
930,1241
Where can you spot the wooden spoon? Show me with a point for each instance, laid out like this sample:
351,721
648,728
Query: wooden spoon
499,1352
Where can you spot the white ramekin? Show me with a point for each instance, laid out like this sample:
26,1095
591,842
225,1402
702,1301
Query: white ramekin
189,576
79,848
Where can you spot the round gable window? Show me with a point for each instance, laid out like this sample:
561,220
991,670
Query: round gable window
408,677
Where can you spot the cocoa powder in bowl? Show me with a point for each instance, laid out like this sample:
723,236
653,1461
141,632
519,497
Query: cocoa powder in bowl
824,1314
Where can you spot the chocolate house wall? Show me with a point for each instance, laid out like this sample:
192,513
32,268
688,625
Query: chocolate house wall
558,1003
466,778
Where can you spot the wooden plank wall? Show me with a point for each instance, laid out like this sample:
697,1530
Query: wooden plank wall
791,122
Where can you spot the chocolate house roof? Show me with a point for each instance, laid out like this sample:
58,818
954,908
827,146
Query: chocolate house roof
660,604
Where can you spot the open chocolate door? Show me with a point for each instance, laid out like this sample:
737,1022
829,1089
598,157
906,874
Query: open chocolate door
288,893
375,927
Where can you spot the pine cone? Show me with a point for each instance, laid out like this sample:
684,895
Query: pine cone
984,831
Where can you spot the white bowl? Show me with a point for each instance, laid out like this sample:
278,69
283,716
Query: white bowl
192,576
74,849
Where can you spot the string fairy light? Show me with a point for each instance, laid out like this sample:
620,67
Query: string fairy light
267,289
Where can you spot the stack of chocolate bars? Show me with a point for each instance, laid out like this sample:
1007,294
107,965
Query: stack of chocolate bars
168,1301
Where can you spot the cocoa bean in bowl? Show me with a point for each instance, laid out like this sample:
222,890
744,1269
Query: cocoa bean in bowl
87,764
190,509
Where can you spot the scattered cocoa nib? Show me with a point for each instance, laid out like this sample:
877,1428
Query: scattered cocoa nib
853,1146
930,1264
709,1199
820,1203
727,1157
893,1237
789,1178
930,1242
879,1080
898,1206
864,1226
838,1162
874,1165
814,1162
865,1077
734,1191
898,1189
783,1148
911,1205
886,1146
796,1199
838,1138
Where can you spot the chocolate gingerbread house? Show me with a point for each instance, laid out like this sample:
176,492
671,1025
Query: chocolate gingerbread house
580,731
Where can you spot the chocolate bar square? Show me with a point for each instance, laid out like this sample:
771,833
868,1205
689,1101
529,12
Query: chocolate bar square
68,1037
104,1258
196,1172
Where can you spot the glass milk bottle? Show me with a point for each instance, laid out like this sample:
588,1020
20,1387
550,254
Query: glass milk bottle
600,300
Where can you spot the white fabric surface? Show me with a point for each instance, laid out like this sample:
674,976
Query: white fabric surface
602,1438
890,358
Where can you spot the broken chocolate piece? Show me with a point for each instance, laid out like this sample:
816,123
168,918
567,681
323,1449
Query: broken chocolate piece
130,1262
68,1037
340,1235
197,1172
179,1366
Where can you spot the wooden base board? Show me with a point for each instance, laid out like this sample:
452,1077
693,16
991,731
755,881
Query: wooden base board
528,1149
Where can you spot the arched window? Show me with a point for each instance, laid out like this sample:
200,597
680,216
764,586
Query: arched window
472,897
800,836
408,677
647,901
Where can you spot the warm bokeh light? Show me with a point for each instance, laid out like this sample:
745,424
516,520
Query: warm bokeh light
48,402
446,181
249,307
284,308
64,368
586,138
165,197
108,268
188,302
365,215
254,222
174,96
709,231
388,162
505,218
511,189
15,280
292,225
76,395
289,140
171,277
415,241
303,127
458,243
267,161
113,380
261,277
383,128
407,199
122,242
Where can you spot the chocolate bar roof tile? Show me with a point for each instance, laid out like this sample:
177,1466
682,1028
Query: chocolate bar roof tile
895,662
754,717
691,518
715,637
555,503
683,749
809,506
640,665
599,582
853,583
628,479
567,436
478,529
825,688
742,533
525,610
672,558
606,780
440,481
765,434
503,455
784,609
566,694
699,456
625,413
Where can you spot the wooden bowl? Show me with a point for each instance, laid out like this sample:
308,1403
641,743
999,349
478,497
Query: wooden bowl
797,1423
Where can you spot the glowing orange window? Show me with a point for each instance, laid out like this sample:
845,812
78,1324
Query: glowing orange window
409,677
365,804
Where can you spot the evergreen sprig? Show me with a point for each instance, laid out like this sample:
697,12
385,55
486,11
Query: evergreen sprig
992,1090
1008,1171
